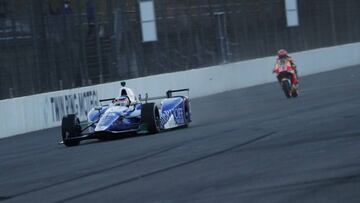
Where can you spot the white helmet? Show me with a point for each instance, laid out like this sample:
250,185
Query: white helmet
122,101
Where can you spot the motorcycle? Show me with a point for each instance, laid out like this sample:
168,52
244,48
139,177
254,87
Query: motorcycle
287,78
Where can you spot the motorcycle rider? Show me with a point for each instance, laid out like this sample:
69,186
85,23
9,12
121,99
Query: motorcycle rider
283,55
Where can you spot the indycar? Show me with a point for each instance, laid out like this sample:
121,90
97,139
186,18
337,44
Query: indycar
128,114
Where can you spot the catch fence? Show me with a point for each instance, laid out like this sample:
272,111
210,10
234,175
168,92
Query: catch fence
47,46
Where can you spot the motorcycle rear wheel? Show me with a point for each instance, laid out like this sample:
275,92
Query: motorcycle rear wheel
286,88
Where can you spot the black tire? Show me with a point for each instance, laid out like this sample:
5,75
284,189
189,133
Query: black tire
70,127
187,113
150,117
286,88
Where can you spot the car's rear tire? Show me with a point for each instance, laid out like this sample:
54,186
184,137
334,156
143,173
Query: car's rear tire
187,113
150,117
70,127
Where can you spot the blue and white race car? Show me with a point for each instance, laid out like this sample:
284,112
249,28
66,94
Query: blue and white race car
128,114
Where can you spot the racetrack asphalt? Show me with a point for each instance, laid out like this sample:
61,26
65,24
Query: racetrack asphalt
247,145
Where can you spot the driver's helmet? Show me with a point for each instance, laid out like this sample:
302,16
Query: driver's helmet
122,101
282,53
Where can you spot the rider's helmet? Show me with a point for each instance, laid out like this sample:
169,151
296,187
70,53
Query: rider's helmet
122,101
282,53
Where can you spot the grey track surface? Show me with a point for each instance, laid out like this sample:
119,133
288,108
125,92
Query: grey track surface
249,145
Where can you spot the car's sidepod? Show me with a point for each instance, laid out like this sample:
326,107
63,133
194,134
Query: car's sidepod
119,118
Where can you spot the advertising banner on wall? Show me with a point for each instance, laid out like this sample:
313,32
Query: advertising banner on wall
78,103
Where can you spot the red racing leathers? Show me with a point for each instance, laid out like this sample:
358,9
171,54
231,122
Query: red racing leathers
289,66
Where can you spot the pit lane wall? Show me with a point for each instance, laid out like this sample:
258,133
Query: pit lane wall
32,113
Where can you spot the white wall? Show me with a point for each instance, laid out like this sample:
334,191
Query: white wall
26,114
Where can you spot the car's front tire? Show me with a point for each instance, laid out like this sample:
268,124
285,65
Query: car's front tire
70,127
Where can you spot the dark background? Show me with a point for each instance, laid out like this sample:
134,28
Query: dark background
45,47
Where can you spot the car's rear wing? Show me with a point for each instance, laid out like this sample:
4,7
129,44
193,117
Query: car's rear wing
169,94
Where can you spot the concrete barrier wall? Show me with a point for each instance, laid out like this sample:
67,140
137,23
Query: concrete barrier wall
31,113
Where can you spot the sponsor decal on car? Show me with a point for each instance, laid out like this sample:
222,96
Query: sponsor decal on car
176,114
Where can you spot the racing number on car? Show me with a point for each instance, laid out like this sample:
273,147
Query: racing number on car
178,115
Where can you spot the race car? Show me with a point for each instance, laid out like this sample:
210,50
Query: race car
128,114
